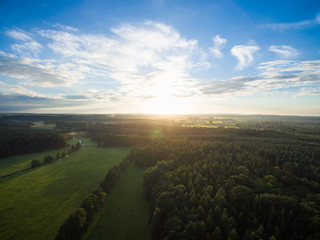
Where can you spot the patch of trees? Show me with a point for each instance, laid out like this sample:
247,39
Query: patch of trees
138,134
77,223
50,159
231,190
20,140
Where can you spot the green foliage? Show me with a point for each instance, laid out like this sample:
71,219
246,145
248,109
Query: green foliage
125,212
48,159
35,163
19,139
36,203
228,191
90,205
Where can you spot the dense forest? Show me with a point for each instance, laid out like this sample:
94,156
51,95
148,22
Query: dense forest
20,137
232,190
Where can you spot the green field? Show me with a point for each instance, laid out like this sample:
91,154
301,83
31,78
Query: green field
42,125
34,204
17,163
125,215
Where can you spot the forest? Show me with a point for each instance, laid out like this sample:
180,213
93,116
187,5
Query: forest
218,190
237,178
19,137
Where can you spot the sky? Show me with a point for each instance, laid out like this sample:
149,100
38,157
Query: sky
160,56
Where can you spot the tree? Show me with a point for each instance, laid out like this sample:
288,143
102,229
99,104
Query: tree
78,146
35,163
217,234
58,156
233,235
48,159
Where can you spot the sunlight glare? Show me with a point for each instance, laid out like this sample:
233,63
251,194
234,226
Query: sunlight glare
167,105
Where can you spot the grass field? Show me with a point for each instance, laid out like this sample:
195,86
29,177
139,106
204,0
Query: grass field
34,204
125,215
20,162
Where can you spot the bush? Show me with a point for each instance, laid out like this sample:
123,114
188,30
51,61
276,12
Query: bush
35,163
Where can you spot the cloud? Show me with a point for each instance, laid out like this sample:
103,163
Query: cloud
144,58
24,103
40,72
27,46
19,34
293,25
310,91
65,27
244,54
283,76
25,92
218,44
284,51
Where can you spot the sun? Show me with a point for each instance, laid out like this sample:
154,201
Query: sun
167,105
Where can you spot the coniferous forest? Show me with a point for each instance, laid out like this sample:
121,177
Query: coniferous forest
219,190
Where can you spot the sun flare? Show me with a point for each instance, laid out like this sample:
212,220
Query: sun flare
167,105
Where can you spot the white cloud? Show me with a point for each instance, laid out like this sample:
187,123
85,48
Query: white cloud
140,61
244,54
65,27
310,91
218,44
284,51
27,46
19,34
293,25
31,48
283,76
41,72
144,58
23,91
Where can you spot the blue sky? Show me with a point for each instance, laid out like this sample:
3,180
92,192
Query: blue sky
160,56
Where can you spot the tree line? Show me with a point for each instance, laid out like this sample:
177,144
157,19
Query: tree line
20,138
78,222
50,159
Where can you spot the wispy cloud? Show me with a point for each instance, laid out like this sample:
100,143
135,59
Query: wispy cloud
146,59
284,51
65,27
244,54
293,25
40,72
282,75
27,46
218,44
16,89
19,34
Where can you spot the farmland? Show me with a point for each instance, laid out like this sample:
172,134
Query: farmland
125,215
34,204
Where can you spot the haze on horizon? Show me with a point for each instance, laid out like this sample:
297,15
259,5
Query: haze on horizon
160,56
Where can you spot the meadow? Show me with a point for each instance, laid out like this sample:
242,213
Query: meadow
20,162
35,203
12,164
125,215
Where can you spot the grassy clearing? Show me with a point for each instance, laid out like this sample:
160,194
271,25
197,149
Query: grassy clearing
42,125
17,163
125,215
33,205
